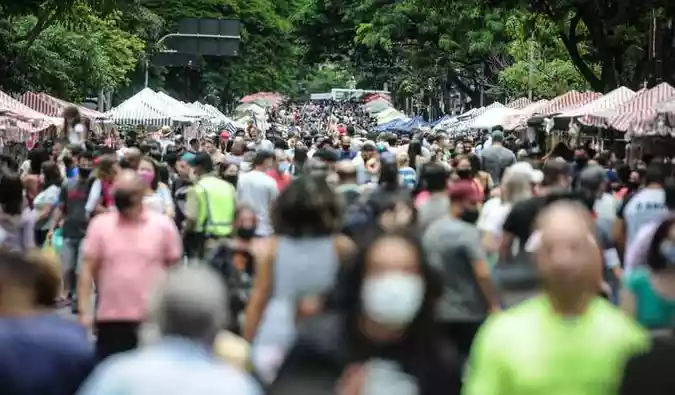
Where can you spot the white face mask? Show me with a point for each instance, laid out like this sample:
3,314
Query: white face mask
392,299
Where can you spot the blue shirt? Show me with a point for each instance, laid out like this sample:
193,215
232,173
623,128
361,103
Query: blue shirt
173,366
72,173
43,354
346,154
408,177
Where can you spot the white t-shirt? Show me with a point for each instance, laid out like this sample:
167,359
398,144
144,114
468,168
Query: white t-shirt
76,134
258,190
493,215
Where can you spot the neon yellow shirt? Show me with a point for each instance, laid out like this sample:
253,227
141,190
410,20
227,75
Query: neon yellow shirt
530,350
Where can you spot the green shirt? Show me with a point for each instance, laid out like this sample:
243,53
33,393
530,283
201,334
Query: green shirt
652,310
530,350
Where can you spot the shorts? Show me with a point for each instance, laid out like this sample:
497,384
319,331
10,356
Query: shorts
71,255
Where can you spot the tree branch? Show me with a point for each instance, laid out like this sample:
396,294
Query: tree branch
570,40
44,21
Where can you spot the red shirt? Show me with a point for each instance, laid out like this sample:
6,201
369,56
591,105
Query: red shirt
282,179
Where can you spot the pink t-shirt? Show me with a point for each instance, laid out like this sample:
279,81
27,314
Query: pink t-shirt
421,198
132,257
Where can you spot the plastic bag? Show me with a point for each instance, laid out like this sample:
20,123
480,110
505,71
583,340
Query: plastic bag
49,251
57,240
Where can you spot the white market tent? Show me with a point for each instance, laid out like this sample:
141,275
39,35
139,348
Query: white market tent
216,116
179,107
147,107
389,115
141,109
493,117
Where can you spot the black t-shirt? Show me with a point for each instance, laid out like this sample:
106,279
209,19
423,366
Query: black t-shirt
520,221
73,199
179,189
323,353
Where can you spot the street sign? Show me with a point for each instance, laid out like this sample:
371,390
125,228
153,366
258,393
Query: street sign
168,59
204,46
217,37
216,27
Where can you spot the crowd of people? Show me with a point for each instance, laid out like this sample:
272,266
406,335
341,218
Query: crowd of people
320,257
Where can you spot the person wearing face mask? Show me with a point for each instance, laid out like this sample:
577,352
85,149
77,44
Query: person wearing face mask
235,260
641,208
157,195
346,153
453,245
649,290
280,171
230,173
71,210
124,268
382,335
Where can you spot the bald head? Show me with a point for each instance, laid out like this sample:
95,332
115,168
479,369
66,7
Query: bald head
346,170
133,153
192,303
567,252
129,181
565,214
132,158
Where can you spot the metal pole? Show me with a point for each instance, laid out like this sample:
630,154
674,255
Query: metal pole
147,71
482,86
530,80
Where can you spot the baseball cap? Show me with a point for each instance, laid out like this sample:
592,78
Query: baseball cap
465,191
188,157
201,159
369,146
592,177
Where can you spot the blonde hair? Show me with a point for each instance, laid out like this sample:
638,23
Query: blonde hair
516,186
402,159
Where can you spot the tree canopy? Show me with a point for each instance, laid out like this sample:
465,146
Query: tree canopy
427,52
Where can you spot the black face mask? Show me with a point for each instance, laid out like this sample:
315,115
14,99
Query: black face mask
346,147
84,172
470,216
633,186
123,200
246,233
464,174
232,179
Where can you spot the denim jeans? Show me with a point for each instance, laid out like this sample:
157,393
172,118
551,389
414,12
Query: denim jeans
71,261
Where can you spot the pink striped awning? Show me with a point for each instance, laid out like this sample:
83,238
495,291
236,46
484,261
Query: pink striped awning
54,107
610,101
520,120
567,102
667,110
519,104
637,112
16,115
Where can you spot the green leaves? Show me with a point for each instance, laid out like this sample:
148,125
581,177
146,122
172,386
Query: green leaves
74,59
539,59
